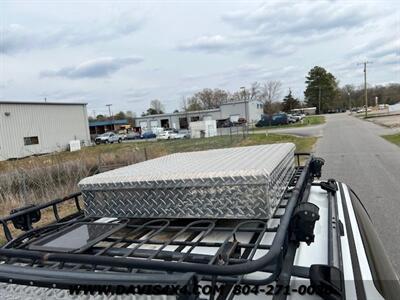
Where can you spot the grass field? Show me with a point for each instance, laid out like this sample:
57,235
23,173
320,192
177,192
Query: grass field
393,138
43,178
118,153
307,121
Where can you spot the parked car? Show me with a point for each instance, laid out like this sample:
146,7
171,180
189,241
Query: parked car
133,135
148,135
240,121
122,134
166,135
292,118
276,119
108,138
298,117
362,110
184,133
224,123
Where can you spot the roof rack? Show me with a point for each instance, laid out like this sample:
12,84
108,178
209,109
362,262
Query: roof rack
164,251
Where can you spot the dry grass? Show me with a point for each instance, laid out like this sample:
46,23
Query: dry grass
39,179
44,178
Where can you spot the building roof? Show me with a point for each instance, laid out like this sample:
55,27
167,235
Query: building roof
41,103
108,122
242,101
179,113
194,112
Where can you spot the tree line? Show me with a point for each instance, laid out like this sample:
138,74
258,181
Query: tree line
322,91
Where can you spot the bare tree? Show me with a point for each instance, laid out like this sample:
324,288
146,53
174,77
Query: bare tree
270,92
157,106
255,91
184,103
207,99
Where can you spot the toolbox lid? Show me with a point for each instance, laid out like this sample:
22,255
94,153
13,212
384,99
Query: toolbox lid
251,162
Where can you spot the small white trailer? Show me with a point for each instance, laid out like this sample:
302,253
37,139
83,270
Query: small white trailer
205,128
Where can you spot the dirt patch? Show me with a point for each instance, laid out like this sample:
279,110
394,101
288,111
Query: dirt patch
392,121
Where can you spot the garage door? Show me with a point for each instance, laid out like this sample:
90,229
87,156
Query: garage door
143,125
153,124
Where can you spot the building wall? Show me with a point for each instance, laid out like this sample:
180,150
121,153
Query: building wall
54,125
206,128
173,119
394,107
254,110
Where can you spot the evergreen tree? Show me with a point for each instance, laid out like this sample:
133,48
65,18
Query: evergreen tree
289,102
322,89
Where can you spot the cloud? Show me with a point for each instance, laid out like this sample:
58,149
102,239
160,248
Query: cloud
252,44
61,94
297,18
139,93
276,29
254,71
16,38
379,49
100,67
208,43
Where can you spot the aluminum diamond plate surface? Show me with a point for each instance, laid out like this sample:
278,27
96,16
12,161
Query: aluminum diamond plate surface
242,182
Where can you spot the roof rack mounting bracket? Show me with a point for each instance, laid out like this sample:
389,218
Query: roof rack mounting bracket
303,222
327,282
329,186
316,164
24,222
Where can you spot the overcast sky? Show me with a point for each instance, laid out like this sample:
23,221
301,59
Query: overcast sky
130,53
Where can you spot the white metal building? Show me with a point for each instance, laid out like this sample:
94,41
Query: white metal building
181,120
394,107
28,128
205,128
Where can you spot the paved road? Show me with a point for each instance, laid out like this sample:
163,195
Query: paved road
356,154
312,130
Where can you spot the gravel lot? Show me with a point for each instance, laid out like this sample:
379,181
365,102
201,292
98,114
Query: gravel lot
388,121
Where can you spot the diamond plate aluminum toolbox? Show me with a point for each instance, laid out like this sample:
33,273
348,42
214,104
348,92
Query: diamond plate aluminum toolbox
242,182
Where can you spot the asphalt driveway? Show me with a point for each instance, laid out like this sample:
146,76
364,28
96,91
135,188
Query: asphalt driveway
356,154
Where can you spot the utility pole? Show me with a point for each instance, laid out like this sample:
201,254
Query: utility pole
319,99
111,116
245,104
348,93
365,85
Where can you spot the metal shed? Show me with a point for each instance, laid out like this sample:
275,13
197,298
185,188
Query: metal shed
29,128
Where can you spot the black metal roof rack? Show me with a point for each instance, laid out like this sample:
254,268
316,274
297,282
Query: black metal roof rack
126,251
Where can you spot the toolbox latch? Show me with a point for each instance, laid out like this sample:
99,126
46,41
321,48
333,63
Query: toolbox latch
303,222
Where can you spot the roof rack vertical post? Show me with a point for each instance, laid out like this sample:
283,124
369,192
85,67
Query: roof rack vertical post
78,206
7,232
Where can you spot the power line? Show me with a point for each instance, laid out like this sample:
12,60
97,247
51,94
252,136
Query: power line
365,85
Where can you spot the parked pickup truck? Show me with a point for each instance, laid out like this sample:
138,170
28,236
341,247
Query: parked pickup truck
319,244
108,138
